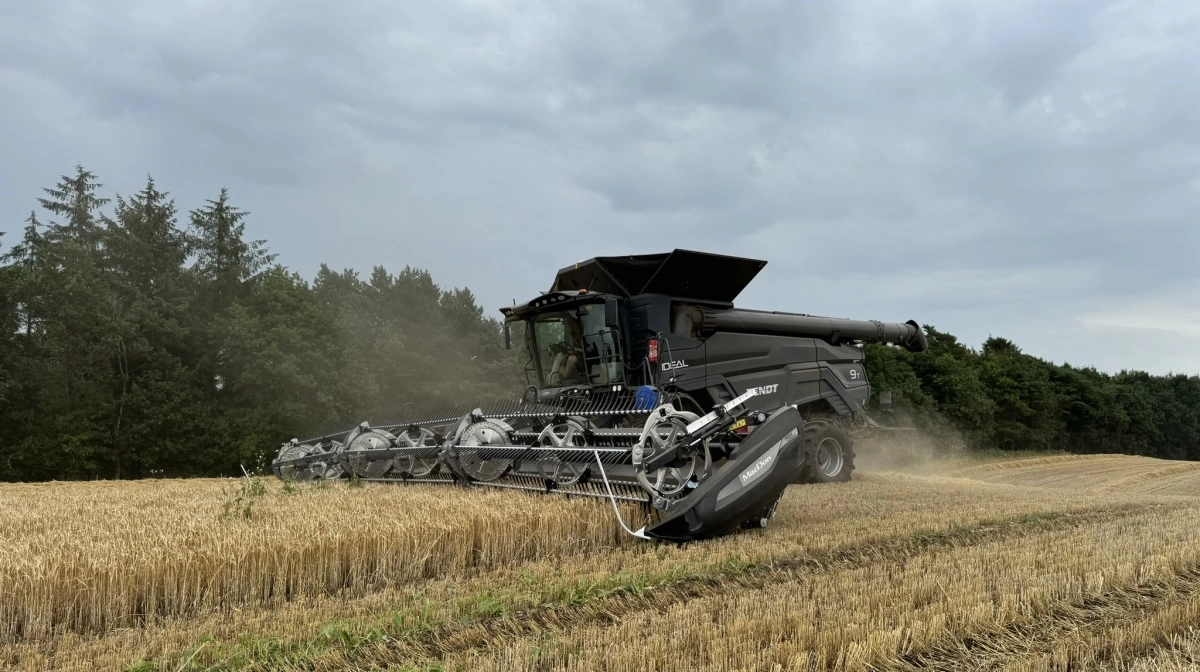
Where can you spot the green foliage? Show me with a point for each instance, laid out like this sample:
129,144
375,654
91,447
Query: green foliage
1000,398
347,637
242,500
132,344
490,607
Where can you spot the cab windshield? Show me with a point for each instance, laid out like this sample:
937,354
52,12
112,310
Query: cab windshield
575,348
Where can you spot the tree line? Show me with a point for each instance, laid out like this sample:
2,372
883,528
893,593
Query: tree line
137,340
999,397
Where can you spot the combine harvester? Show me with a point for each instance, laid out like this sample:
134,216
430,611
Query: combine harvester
646,385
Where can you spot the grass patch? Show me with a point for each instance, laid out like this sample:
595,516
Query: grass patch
419,617
1039,517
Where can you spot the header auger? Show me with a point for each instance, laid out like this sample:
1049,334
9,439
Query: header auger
646,386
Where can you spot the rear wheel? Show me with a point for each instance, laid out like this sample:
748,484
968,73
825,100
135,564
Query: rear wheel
828,455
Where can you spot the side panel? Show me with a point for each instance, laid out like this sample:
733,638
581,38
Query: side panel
678,355
682,364
789,370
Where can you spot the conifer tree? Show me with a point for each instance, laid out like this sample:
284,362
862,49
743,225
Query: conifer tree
23,260
144,257
65,294
226,261
145,248
74,199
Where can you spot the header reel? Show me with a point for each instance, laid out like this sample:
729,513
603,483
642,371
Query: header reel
695,476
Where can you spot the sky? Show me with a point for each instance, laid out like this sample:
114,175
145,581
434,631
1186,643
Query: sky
1021,169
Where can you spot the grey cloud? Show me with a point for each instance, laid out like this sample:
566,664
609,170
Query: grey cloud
1003,168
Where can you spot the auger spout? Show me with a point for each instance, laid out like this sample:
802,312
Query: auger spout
834,329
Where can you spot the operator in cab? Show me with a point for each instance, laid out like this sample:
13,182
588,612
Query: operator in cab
568,358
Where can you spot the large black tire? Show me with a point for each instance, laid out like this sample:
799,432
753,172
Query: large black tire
828,453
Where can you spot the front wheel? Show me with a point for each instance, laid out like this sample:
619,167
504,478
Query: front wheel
828,455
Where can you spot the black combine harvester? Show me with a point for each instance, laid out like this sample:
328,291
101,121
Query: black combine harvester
646,385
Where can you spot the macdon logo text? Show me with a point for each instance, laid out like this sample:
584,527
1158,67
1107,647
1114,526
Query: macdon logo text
749,473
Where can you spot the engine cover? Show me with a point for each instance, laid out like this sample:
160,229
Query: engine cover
744,486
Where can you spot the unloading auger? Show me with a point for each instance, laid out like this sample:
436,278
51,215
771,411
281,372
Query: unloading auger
697,476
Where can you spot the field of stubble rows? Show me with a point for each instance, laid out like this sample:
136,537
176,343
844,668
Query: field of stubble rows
1056,563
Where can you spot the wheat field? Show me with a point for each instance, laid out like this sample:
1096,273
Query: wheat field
1046,563
1120,474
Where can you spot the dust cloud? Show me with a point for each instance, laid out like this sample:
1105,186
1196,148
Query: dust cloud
910,451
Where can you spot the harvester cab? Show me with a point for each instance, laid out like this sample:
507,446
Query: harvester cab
668,322
621,322
574,341
648,386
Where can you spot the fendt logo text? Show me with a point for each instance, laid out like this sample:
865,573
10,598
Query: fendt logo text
765,389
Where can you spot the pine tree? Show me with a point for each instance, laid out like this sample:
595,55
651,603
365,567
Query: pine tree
144,260
225,259
74,199
225,268
145,249
9,331
64,296
24,261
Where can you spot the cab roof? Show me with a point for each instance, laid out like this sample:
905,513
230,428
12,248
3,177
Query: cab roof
687,275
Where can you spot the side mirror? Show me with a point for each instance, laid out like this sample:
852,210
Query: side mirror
612,314
507,337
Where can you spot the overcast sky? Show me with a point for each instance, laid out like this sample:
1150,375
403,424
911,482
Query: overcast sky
1022,169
